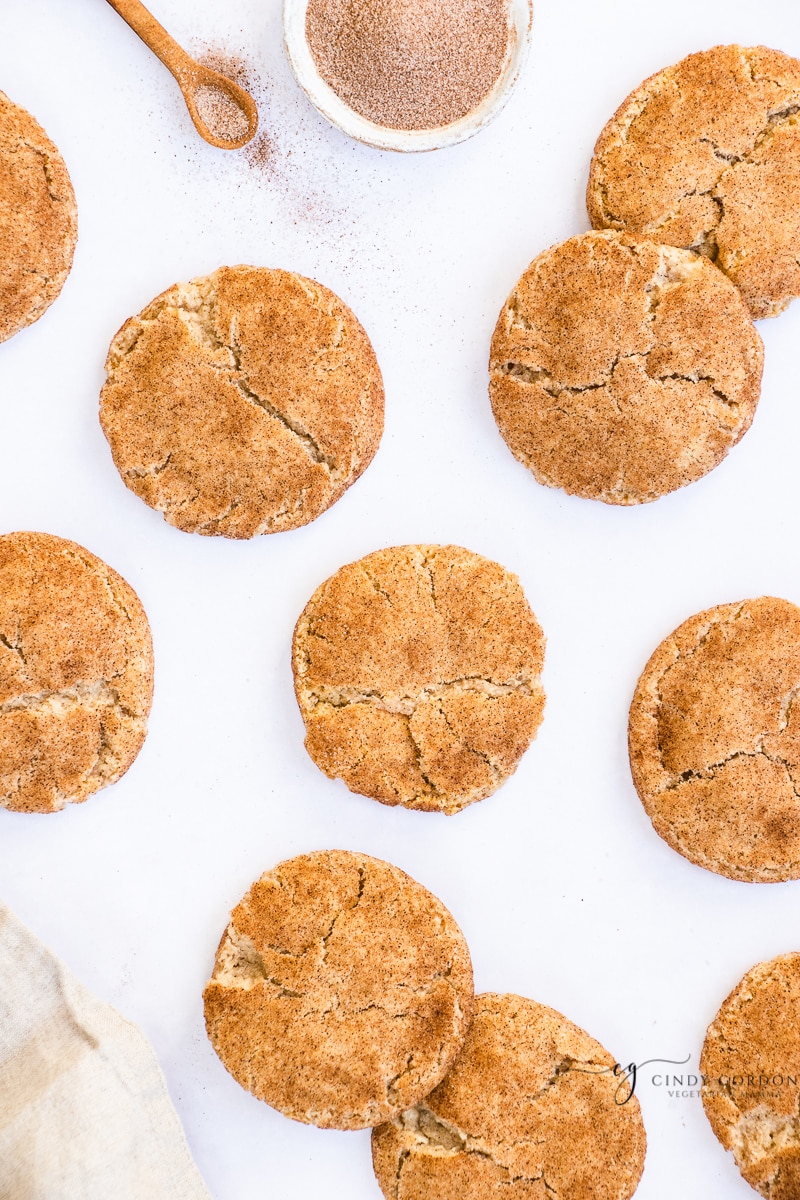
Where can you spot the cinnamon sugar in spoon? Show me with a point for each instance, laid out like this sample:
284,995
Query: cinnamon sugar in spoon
224,114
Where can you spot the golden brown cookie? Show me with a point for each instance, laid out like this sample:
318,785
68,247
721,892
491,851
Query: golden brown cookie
341,991
714,737
751,1066
706,155
38,220
76,673
242,403
622,370
417,673
531,1110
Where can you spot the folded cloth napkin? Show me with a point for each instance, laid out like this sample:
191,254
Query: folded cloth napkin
84,1110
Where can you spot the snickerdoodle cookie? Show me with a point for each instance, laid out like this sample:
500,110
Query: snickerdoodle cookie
706,155
341,991
38,220
417,673
241,403
750,1066
531,1109
714,738
622,370
76,673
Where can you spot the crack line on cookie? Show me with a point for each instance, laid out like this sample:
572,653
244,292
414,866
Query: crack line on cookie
313,449
15,646
774,120
406,703
679,659
99,694
195,306
440,1138
47,169
418,755
707,242
151,469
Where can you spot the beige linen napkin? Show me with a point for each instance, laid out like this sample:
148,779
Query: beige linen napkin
84,1110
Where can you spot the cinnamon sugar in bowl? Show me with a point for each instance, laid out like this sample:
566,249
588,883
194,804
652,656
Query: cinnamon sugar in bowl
407,74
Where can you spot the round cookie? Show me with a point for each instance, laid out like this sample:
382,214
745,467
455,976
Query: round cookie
76,673
622,370
750,1066
531,1109
245,402
706,155
341,991
38,220
714,738
417,671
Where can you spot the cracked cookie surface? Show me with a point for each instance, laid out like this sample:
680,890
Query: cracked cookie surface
529,1110
242,403
76,673
417,671
706,155
621,370
754,1038
341,992
38,220
714,738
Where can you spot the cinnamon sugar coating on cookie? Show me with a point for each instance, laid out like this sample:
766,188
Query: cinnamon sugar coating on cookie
38,220
622,370
76,673
714,737
750,1064
341,992
531,1110
242,403
417,671
706,155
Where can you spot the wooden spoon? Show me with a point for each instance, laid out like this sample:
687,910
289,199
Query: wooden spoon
224,114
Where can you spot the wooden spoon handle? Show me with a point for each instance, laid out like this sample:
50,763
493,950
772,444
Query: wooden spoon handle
154,35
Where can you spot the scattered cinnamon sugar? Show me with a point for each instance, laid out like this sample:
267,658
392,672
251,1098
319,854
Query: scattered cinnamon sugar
409,64
221,114
258,153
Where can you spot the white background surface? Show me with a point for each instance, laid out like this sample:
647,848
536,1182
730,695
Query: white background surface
562,888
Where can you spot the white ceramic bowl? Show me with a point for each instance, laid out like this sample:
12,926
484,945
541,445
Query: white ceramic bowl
323,97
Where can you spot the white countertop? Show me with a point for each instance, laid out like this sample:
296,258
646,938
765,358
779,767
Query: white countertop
562,888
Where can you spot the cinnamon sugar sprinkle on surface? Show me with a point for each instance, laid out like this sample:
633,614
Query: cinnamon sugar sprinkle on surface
409,64
259,153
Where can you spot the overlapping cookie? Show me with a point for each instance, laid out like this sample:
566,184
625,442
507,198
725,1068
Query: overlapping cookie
705,155
531,1109
341,992
621,370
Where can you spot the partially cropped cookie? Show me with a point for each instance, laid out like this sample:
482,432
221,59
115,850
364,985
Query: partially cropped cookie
38,220
531,1109
341,991
750,1066
76,673
706,155
622,370
714,736
242,403
417,671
